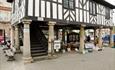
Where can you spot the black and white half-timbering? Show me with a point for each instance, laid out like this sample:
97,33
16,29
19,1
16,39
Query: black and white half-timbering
63,15
87,11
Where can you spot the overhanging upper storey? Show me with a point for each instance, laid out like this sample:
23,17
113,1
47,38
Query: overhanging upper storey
105,3
98,12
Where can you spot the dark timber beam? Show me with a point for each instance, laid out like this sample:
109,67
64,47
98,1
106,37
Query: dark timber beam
10,1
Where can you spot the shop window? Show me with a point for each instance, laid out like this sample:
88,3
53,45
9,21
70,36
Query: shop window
69,4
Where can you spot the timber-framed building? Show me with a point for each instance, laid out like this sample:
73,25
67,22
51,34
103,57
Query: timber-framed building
37,22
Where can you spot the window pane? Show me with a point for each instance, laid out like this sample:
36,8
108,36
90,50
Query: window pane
66,3
71,4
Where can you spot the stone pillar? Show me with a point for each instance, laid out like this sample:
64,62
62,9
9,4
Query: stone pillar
82,38
51,38
17,46
100,38
26,47
111,38
12,36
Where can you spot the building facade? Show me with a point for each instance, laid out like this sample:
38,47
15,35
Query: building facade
37,23
5,14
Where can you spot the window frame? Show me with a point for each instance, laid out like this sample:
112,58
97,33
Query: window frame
92,8
107,13
69,6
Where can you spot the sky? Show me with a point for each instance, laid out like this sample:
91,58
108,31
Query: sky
111,1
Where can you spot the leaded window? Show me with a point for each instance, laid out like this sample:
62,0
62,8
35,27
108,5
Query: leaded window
93,8
107,13
69,4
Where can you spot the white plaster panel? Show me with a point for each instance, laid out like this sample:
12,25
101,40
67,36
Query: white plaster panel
76,14
37,8
98,19
85,18
84,1
80,6
81,16
67,19
97,9
65,10
55,0
48,10
66,14
60,1
30,7
81,1
72,15
60,11
103,20
76,3
54,11
71,19
42,8
87,5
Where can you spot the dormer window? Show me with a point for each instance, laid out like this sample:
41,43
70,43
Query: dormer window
93,8
69,4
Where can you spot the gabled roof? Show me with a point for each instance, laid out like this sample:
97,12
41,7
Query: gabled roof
105,3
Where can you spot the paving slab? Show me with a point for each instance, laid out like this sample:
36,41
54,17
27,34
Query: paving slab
97,60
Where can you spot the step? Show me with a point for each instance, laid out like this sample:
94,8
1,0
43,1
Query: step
35,42
38,42
38,51
40,58
39,54
38,48
36,45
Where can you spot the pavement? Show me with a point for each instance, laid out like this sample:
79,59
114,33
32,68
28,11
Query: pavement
97,60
